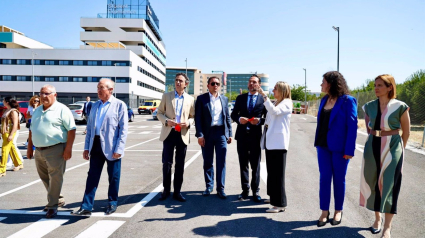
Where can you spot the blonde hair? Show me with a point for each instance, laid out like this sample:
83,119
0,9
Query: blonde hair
284,89
32,103
388,81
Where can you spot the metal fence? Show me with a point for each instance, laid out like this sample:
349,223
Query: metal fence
417,113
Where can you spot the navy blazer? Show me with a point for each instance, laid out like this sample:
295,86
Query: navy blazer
88,105
241,110
342,131
203,118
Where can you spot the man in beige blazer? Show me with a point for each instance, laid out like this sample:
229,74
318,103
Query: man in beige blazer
176,112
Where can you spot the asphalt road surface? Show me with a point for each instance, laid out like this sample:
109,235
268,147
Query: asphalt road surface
140,214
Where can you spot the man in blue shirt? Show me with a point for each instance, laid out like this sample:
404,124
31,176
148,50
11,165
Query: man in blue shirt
176,112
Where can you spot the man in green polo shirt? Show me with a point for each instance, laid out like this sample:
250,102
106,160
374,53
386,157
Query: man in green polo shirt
52,133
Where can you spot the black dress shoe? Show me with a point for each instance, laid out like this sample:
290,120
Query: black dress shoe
375,231
256,197
207,192
243,195
221,194
334,223
179,197
164,195
51,213
322,223
110,209
81,212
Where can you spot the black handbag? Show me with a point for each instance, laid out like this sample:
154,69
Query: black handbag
27,125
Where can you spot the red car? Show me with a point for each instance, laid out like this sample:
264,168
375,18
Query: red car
23,108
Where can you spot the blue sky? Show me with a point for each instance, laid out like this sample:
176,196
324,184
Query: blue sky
277,37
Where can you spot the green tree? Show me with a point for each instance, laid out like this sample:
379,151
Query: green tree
297,92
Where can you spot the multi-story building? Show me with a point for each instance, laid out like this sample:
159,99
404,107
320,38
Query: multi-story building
199,81
124,44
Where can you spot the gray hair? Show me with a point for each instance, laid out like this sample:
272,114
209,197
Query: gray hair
109,82
51,87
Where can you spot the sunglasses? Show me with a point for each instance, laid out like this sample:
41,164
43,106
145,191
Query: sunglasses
214,83
36,100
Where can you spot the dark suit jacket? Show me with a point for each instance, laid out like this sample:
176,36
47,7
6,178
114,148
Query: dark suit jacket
241,110
203,116
342,131
87,105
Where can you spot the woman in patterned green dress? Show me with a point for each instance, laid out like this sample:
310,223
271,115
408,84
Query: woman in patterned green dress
384,153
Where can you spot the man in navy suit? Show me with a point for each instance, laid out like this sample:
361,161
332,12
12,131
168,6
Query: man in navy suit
214,131
86,110
249,113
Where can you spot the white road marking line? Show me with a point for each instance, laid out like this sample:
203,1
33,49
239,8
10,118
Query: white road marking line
303,118
2,218
152,194
36,181
101,229
39,229
263,172
360,148
141,127
144,132
129,132
142,143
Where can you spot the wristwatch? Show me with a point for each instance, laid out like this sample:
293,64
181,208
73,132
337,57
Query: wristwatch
166,122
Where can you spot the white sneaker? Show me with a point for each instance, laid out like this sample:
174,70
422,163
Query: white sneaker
275,210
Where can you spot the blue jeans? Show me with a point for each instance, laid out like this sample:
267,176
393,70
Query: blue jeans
332,166
215,140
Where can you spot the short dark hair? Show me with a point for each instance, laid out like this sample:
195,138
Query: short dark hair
184,76
213,77
338,84
256,76
12,102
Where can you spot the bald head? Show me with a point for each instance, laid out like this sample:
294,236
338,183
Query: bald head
108,82
104,89
49,87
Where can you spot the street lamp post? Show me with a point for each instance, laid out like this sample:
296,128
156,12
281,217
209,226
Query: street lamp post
115,89
305,90
32,62
337,29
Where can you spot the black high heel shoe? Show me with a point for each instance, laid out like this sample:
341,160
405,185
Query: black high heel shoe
374,230
322,223
334,223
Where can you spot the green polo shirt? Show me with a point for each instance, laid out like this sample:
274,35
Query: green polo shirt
50,127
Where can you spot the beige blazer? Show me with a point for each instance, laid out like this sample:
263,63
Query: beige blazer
167,110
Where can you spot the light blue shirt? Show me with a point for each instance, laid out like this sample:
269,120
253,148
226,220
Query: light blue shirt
179,105
100,114
216,110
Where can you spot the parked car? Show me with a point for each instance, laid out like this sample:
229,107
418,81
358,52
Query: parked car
130,114
154,114
77,111
148,106
23,108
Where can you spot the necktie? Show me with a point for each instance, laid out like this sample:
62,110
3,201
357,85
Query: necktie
251,103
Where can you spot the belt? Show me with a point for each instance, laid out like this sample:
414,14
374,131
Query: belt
47,147
379,133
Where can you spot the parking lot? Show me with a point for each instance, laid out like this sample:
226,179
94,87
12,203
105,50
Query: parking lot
140,214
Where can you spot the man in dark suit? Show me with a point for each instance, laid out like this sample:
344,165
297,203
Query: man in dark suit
86,111
249,113
214,131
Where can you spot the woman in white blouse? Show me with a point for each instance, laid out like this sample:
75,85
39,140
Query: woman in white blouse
275,141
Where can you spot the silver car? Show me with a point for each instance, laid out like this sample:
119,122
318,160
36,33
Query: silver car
77,111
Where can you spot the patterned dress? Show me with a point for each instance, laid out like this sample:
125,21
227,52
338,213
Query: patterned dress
383,158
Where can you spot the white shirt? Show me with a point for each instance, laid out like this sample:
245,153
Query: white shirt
100,114
30,110
216,110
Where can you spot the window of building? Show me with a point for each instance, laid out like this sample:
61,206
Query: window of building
21,61
7,78
49,79
7,61
49,62
63,79
2,45
77,62
63,62
21,78
92,63
37,78
106,63
37,62
93,79
77,79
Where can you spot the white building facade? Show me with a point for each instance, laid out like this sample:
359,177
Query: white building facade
117,45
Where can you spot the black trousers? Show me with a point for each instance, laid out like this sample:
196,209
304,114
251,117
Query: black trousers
174,140
276,164
249,152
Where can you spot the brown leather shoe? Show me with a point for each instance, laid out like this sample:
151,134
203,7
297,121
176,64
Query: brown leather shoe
21,166
51,213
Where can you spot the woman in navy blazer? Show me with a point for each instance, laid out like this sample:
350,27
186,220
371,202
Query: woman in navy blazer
335,141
